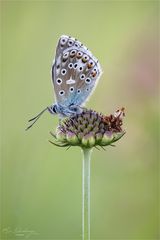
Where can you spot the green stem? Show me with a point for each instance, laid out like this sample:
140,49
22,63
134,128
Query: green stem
86,193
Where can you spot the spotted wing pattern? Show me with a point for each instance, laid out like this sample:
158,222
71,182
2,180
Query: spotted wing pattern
75,72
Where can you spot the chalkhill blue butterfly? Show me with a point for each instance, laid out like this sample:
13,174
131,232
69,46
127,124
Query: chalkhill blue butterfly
75,72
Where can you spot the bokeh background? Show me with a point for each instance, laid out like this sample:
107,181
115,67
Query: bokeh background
40,183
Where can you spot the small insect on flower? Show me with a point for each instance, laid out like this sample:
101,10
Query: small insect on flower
114,121
75,73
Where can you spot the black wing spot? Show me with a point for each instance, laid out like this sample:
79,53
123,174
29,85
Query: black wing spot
61,93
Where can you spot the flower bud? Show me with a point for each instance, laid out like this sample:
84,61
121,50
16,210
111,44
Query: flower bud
88,140
61,137
72,138
107,138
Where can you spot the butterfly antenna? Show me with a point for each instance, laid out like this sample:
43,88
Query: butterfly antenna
35,118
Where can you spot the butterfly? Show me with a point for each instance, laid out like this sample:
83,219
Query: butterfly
75,73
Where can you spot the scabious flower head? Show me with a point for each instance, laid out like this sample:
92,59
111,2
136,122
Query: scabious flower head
89,129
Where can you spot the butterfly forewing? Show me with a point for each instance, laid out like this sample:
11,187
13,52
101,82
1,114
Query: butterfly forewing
74,73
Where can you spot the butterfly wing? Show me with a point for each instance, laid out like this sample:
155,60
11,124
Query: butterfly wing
75,72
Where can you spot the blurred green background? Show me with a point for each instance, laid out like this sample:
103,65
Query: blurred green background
40,183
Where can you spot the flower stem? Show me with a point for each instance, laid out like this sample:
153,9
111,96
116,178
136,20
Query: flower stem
86,193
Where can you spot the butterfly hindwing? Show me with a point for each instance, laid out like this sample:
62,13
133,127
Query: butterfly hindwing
74,73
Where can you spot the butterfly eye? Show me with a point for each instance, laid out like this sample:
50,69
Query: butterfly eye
71,89
70,65
70,43
88,80
59,81
73,53
61,93
63,41
78,91
79,54
85,58
82,77
63,71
